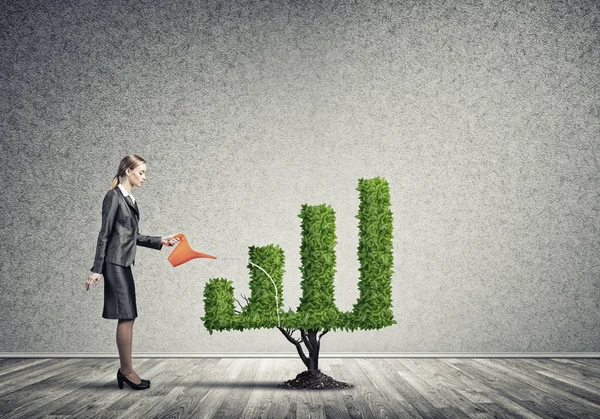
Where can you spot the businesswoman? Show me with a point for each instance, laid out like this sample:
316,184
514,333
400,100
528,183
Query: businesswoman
115,253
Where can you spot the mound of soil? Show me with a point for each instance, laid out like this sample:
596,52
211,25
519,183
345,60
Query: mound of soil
313,380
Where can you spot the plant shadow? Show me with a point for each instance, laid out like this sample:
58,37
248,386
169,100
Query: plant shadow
271,385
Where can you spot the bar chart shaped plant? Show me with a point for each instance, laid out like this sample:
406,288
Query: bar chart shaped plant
317,313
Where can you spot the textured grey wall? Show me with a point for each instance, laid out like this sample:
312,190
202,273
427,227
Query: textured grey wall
483,116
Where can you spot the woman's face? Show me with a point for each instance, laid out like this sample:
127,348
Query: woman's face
137,175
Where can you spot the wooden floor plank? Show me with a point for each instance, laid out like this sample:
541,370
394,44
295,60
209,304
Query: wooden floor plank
16,380
590,364
416,391
510,400
203,398
353,402
309,404
334,406
242,392
451,378
389,384
570,370
87,399
8,366
549,392
37,399
558,373
108,405
230,387
124,398
281,404
165,378
487,404
357,403
176,384
433,373
93,394
384,402
373,371
522,393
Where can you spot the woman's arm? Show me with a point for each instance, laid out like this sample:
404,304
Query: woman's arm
153,242
109,212
156,242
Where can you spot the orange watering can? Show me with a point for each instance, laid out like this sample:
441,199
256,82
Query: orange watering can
183,252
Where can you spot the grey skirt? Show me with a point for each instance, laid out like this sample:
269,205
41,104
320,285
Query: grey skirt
119,292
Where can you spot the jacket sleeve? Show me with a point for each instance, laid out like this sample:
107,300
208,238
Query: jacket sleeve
109,212
152,242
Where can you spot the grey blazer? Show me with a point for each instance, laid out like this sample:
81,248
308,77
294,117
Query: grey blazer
119,233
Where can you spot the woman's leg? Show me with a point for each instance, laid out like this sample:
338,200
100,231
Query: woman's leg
137,377
124,344
131,338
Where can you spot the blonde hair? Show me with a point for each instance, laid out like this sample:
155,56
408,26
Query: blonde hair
130,161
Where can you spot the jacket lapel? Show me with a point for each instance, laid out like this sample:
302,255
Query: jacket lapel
132,205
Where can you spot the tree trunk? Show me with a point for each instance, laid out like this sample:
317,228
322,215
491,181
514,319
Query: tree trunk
313,350
312,341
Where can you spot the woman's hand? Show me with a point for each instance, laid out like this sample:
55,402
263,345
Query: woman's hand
92,279
169,240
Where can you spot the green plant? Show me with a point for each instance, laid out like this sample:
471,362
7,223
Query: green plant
317,313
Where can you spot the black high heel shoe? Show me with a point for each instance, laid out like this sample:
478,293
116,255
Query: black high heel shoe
121,379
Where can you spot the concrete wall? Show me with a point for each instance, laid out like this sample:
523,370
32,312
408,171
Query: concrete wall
483,116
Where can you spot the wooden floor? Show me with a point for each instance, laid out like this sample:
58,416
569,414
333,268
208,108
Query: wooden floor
246,388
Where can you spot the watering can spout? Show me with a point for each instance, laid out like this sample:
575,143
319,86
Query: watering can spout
183,252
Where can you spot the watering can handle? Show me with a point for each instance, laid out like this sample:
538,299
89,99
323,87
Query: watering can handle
179,236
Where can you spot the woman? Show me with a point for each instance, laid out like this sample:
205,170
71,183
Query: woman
115,253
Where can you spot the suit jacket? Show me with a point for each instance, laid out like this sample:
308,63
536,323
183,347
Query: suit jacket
119,233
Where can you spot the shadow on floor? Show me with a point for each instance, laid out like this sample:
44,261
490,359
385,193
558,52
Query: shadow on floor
163,385
272,385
